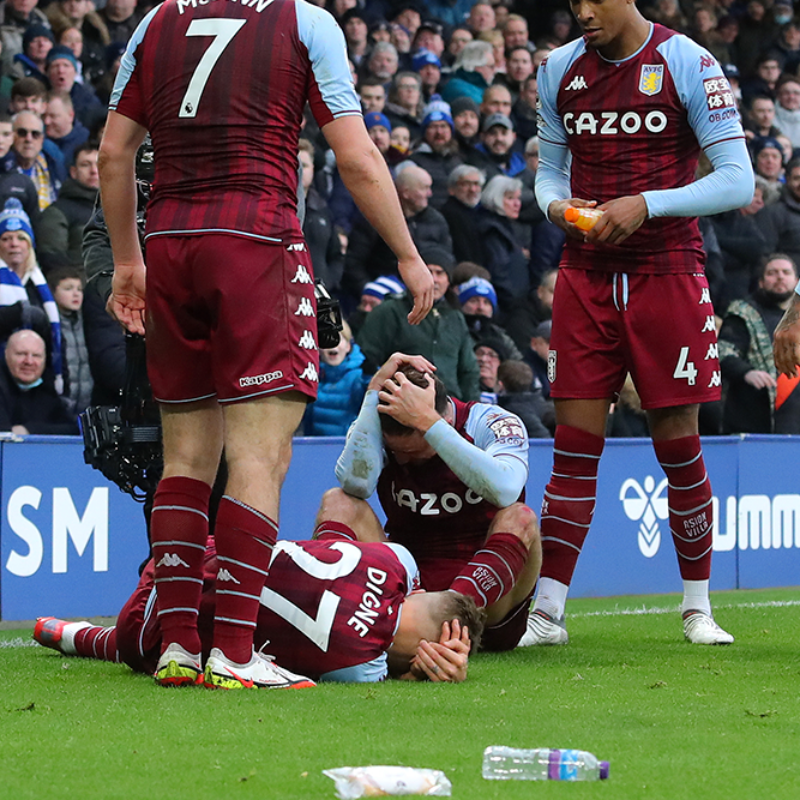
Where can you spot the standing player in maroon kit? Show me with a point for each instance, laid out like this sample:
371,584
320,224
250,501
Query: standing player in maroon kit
633,104
229,307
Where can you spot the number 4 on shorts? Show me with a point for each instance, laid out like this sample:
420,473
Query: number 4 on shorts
685,368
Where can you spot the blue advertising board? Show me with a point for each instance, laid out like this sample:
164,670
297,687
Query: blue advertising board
71,542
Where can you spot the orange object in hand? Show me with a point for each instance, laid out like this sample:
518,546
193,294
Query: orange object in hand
584,218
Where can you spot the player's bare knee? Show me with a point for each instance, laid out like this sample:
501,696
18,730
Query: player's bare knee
337,506
519,520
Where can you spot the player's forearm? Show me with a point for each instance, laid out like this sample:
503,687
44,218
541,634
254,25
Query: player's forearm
118,193
498,479
361,461
729,186
367,178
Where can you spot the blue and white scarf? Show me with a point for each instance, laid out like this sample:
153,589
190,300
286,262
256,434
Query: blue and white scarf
12,291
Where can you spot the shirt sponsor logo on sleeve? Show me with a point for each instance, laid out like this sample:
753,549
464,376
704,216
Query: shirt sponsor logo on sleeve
718,93
507,428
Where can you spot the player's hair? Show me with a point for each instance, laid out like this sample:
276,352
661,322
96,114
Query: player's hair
775,257
516,376
390,425
448,606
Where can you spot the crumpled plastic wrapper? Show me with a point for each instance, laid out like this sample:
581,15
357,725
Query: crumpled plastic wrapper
354,782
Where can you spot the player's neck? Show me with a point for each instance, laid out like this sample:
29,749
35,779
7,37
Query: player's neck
630,39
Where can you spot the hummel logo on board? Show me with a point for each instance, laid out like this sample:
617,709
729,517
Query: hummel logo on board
172,560
578,82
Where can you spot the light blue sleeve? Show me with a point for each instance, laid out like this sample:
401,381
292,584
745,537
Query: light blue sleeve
712,113
496,465
368,672
360,463
127,63
327,51
553,174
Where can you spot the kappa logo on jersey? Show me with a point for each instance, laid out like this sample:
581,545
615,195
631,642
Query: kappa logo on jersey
258,380
718,94
552,357
172,560
296,248
224,575
307,341
310,373
301,276
576,84
305,309
507,428
651,79
646,504
706,62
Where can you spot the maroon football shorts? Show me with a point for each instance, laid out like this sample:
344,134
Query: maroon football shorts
229,317
660,328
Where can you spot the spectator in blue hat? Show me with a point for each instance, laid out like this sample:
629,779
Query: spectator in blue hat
438,153
429,36
478,301
379,129
768,159
429,68
372,295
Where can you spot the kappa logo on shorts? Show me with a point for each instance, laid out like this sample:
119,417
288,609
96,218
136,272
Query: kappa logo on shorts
258,380
712,352
716,379
301,276
705,297
305,309
551,365
296,248
310,373
307,341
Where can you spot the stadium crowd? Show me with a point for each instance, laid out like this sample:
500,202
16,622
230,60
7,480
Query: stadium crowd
448,89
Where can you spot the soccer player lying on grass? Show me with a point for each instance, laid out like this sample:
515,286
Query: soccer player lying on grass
449,476
333,608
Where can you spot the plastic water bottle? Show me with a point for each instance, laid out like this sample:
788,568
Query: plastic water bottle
544,764
584,218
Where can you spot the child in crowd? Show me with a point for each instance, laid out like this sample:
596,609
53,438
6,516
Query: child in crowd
518,395
66,284
342,385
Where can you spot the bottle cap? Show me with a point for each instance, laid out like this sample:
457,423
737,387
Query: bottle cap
571,214
603,770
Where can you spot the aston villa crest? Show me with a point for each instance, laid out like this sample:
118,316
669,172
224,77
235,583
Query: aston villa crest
651,79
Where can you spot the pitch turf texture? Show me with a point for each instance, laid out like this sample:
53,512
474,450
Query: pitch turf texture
675,720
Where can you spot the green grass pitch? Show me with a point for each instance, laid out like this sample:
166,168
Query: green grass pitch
674,720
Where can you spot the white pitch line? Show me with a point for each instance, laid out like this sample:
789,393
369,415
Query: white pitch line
622,612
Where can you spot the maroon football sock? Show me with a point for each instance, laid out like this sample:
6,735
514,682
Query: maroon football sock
690,506
179,530
97,642
569,500
245,538
493,570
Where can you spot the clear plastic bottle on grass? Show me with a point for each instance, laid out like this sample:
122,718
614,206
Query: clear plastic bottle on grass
584,218
543,764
